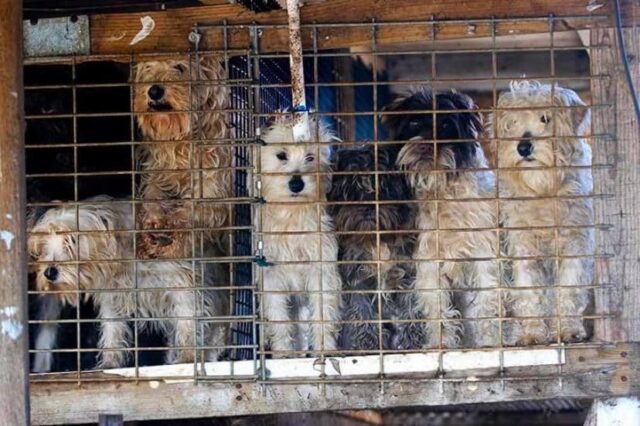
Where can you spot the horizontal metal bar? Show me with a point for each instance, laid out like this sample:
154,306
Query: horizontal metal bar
419,22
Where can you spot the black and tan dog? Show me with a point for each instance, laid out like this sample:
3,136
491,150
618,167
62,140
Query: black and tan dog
374,218
457,273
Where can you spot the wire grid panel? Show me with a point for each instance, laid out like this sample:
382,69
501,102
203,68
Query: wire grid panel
128,159
453,275
410,301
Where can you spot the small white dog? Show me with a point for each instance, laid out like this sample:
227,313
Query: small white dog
546,184
298,240
87,250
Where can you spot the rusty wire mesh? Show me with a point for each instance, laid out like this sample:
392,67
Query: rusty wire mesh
82,138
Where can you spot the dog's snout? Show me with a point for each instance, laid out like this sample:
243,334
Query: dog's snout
525,147
51,273
296,184
156,92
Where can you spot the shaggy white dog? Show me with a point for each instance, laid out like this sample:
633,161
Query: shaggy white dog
300,299
547,210
87,251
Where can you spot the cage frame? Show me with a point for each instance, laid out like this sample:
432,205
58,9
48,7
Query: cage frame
589,372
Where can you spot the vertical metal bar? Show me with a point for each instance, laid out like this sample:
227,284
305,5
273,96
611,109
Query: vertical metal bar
496,164
232,209
76,197
136,352
434,105
195,148
300,114
558,295
14,358
319,196
256,211
379,293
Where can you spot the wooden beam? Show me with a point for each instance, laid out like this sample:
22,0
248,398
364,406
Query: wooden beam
622,271
112,33
14,365
587,373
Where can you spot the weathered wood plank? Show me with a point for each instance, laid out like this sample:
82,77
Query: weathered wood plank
14,385
588,373
111,33
622,271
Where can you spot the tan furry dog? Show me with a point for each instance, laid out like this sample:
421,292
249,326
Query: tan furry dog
90,247
298,237
457,273
546,146
179,106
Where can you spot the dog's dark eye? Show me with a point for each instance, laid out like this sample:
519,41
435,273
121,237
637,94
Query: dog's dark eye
282,156
180,67
544,118
309,158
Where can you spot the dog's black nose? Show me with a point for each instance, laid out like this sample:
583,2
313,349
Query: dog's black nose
525,148
51,273
156,92
296,184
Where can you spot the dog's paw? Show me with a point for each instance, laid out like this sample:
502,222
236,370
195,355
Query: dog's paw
573,333
112,359
531,339
42,362
180,356
533,333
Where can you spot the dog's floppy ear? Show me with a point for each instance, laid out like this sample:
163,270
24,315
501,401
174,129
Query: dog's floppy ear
472,119
411,124
578,112
393,122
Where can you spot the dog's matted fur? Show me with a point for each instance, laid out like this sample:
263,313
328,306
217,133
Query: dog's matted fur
455,246
90,247
545,155
371,212
298,240
179,107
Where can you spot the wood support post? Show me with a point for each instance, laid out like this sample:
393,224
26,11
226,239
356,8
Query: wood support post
14,385
615,143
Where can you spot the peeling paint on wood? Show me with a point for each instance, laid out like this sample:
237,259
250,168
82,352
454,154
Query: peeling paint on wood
7,237
11,328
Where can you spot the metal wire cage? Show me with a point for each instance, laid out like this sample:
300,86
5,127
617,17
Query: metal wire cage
351,90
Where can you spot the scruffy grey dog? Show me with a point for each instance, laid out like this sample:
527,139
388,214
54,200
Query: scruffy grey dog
364,205
457,273
546,183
